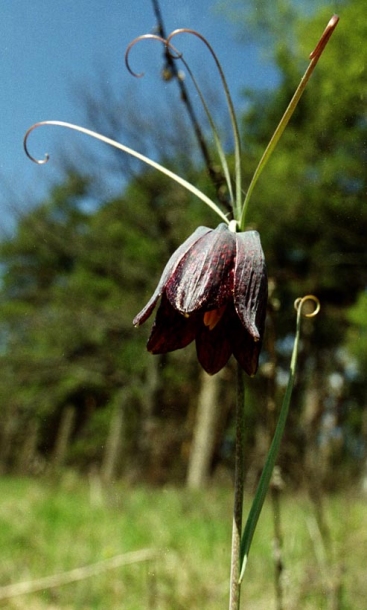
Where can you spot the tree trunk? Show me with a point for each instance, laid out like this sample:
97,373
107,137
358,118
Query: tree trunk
28,449
9,424
113,445
204,432
63,437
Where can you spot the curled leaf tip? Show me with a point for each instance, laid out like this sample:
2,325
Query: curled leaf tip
315,54
301,301
25,145
127,54
170,50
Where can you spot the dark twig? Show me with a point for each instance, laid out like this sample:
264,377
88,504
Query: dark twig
275,494
171,71
276,485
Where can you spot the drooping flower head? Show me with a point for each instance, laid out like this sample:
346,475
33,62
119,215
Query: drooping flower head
214,290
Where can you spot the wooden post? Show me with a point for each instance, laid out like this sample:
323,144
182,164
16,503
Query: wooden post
113,445
28,449
63,437
204,432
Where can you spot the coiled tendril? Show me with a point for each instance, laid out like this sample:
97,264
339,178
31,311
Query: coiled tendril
301,301
239,209
169,48
184,183
25,144
174,54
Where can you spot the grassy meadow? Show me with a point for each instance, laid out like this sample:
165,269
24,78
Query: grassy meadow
50,527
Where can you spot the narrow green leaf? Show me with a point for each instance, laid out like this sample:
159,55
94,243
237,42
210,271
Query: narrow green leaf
263,485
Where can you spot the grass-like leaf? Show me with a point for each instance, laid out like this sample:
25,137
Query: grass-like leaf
263,485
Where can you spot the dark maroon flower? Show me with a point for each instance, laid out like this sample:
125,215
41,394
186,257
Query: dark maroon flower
214,290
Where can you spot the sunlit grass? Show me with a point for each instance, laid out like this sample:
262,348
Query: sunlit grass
48,528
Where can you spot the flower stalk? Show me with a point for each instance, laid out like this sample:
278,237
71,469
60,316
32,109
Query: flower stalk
239,475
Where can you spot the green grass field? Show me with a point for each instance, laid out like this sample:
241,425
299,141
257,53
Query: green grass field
49,528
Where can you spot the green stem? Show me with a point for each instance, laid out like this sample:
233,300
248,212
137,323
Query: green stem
235,586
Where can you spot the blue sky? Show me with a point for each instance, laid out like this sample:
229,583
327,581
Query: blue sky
49,47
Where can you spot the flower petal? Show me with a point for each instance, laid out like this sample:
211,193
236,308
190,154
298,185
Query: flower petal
247,352
250,283
213,347
169,269
245,349
171,330
203,277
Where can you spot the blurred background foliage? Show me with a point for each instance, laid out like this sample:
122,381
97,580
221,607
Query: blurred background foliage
78,388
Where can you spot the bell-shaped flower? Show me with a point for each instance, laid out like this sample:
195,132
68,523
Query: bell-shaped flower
214,290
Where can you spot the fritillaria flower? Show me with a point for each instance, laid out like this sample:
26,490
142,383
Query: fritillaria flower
214,290
214,287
